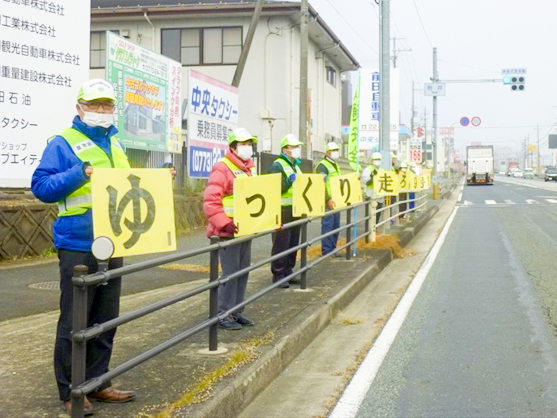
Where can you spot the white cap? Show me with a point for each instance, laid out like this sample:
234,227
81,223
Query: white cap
96,88
376,156
332,146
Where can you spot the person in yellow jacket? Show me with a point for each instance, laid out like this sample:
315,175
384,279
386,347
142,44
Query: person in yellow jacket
288,165
63,177
329,167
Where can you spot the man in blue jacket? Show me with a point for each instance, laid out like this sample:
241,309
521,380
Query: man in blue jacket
63,176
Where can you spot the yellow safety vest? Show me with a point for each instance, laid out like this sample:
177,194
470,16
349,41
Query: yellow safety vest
286,197
333,170
79,201
228,201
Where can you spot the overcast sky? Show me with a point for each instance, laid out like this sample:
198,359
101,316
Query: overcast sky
475,39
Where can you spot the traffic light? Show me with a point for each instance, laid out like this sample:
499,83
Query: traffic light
516,82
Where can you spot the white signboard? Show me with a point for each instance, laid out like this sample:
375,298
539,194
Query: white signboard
369,109
149,90
212,114
434,89
44,59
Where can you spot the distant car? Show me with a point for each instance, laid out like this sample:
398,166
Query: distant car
501,173
528,173
550,173
518,173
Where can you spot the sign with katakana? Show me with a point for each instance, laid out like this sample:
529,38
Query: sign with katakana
308,195
386,183
148,87
346,190
44,58
134,208
212,113
257,203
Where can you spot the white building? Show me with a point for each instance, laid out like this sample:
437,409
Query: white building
208,37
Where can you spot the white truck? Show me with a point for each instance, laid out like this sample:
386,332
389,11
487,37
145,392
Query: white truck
479,162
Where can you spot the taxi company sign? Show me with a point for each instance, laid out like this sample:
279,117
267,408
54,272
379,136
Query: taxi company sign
212,114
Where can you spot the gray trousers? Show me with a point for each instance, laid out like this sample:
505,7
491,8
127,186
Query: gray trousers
233,259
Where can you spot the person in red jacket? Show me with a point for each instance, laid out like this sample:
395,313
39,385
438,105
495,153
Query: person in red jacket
218,207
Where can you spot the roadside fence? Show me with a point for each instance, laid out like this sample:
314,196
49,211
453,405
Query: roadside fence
409,207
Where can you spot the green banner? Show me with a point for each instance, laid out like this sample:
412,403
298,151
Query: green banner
353,138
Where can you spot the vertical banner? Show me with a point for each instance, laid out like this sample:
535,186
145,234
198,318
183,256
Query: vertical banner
353,138
369,109
212,114
148,88
44,59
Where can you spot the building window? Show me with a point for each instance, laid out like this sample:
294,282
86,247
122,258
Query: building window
203,46
331,76
97,54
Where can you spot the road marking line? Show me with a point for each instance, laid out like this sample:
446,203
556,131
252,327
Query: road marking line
509,202
468,202
531,201
459,197
551,200
490,202
358,387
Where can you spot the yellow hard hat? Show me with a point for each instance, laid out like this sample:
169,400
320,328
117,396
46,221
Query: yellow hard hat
94,89
290,140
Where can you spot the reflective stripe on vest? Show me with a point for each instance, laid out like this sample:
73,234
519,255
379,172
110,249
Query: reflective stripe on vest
371,191
228,201
79,201
286,197
333,170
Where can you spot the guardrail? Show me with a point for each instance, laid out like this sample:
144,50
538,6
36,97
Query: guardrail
81,282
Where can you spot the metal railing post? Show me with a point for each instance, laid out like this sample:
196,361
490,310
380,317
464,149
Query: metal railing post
367,223
304,233
348,233
213,296
79,346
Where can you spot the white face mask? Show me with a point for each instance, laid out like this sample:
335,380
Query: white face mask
296,153
376,163
335,155
244,152
93,119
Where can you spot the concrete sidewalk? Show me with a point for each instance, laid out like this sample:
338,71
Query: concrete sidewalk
182,381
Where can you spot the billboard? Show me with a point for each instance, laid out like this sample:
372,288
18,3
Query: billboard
212,114
552,141
44,59
369,109
148,87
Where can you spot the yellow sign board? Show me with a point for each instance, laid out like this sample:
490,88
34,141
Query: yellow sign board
134,209
309,195
257,203
386,183
423,181
346,190
427,173
406,182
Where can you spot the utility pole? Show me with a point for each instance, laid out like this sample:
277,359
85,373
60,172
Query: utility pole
304,11
413,113
538,173
247,44
395,51
384,84
434,127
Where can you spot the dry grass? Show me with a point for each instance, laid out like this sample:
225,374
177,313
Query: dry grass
186,267
202,389
349,320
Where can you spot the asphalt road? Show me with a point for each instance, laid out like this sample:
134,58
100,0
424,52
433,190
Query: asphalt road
20,297
480,338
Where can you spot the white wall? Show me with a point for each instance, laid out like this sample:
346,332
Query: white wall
270,81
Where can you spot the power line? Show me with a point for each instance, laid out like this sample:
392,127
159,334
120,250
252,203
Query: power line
351,28
422,23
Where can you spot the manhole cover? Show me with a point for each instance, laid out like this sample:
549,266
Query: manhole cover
55,285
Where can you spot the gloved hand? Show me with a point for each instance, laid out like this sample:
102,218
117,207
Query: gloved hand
230,228
292,178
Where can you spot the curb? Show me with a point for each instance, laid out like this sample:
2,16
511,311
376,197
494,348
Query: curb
242,390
